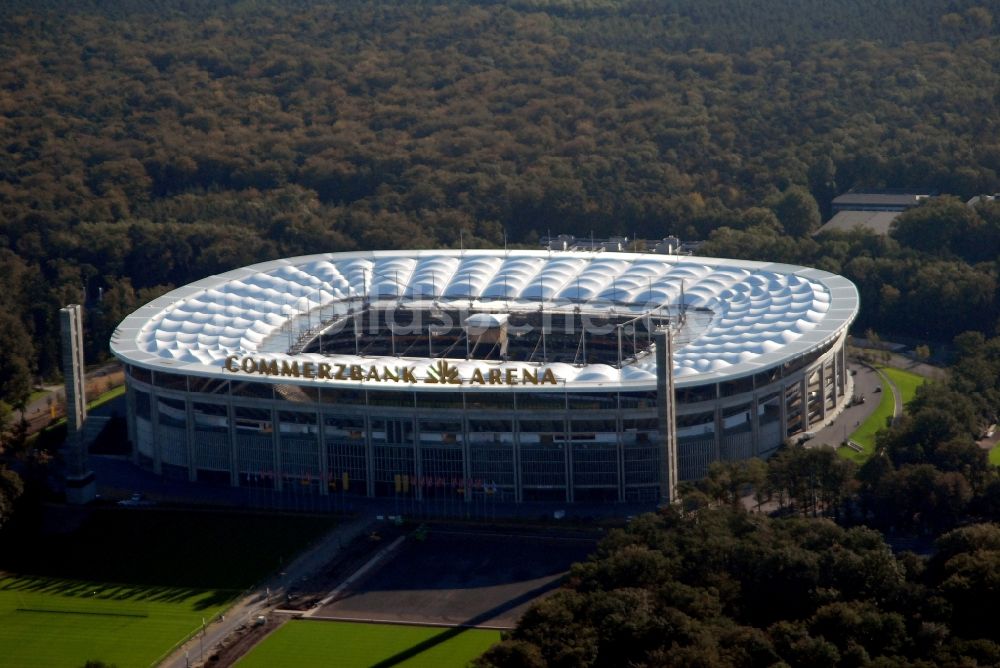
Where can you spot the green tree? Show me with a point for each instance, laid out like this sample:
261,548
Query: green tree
823,182
511,654
15,362
941,226
11,488
797,211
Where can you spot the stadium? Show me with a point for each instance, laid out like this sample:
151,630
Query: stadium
520,375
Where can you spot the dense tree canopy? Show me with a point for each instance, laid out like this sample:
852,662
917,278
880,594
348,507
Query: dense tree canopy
11,487
715,585
147,144
725,588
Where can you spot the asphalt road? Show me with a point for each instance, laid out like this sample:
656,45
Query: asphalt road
866,382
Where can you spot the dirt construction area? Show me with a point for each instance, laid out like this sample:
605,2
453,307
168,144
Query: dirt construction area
457,576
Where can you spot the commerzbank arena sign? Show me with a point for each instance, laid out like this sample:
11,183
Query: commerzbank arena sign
440,373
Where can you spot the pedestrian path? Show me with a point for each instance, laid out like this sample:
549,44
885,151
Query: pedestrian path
897,398
266,596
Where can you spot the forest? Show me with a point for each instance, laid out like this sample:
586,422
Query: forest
889,564
148,144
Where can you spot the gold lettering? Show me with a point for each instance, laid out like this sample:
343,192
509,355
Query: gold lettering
325,371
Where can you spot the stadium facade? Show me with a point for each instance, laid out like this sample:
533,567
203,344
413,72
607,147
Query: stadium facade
521,375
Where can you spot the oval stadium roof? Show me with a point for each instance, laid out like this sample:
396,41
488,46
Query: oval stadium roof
759,314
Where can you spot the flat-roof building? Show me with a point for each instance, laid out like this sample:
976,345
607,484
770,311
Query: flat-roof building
877,200
873,210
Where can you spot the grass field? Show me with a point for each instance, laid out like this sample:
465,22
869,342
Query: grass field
865,434
58,606
36,394
907,383
97,402
51,622
305,644
995,456
101,399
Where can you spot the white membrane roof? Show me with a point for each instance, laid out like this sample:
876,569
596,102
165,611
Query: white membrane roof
762,314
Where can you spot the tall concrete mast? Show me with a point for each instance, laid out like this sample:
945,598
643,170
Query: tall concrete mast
667,414
80,485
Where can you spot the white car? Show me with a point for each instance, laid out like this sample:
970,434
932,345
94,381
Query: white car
135,501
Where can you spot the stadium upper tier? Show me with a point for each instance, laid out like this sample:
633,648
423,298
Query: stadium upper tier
744,316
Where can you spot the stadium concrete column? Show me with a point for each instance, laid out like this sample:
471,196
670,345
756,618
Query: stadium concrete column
154,418
324,458
418,455
466,461
568,456
234,463
843,364
835,370
130,421
466,452
783,413
516,445
755,424
832,376
667,414
279,479
822,391
190,436
80,484
838,380
834,380
804,401
717,428
620,450
369,454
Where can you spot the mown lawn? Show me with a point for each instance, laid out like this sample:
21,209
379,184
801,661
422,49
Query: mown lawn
125,585
36,394
305,643
865,434
53,622
907,383
995,456
113,393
